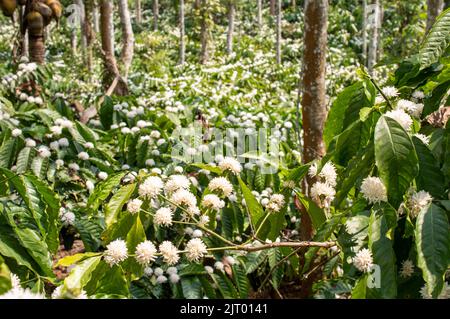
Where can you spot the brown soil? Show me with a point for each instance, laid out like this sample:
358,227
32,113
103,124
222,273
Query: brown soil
62,272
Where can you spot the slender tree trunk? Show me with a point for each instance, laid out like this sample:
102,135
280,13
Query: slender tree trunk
88,32
259,15
364,32
379,35
96,17
231,10
111,71
182,34
374,36
73,41
127,36
138,9
273,5
435,7
314,105
278,33
204,39
80,4
294,5
155,14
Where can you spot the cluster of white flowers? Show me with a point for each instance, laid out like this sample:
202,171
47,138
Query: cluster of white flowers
213,202
116,252
66,216
402,118
418,201
163,217
196,249
407,269
151,187
145,252
221,185
363,260
276,203
373,190
169,252
323,190
176,182
134,205
230,164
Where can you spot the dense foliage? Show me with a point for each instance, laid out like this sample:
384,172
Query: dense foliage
105,172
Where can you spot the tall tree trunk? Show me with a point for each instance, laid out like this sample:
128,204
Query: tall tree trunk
259,14
314,105
364,32
374,35
80,4
278,33
88,32
73,41
127,36
379,35
294,5
138,11
155,14
111,71
182,34
231,10
273,7
435,7
36,48
204,38
96,17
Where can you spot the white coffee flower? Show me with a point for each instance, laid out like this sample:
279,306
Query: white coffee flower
373,190
363,260
183,197
176,182
402,118
134,205
83,156
328,172
102,176
213,202
196,249
276,203
407,269
116,252
169,252
163,217
425,139
322,191
151,187
418,201
231,164
44,152
145,253
174,278
30,142
21,293
16,132
63,142
161,279
390,91
221,185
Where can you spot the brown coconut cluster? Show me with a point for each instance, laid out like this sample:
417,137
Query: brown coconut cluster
36,15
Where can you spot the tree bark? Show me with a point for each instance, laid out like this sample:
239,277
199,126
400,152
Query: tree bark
127,36
80,4
182,34
435,7
278,33
364,32
259,14
88,32
314,106
273,6
231,11
111,71
96,17
374,35
138,11
155,14
204,39
36,48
